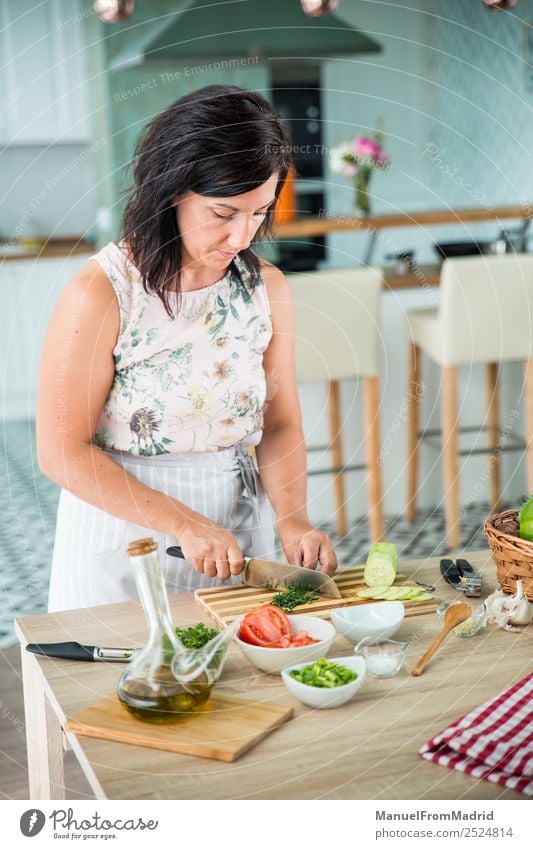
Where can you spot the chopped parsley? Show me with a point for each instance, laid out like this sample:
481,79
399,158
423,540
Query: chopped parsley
292,598
196,636
193,637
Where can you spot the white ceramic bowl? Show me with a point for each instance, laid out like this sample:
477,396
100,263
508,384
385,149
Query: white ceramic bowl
273,660
378,621
320,697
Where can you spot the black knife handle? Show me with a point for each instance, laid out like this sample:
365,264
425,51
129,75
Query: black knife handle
176,551
66,651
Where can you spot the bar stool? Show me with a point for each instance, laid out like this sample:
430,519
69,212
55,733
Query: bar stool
485,316
336,314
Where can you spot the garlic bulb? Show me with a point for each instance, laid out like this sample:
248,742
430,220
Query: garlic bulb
494,597
523,610
506,611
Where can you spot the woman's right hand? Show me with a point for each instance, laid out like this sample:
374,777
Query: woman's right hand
211,549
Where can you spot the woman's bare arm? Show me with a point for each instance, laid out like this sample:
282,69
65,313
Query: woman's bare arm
77,372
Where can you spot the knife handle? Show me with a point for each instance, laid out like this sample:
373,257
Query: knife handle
176,551
66,651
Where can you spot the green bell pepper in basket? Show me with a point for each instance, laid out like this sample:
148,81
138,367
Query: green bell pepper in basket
525,518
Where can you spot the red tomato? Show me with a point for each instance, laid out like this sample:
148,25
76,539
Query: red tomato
302,639
282,643
264,626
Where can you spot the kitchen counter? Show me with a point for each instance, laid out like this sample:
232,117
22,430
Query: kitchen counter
366,749
334,223
49,248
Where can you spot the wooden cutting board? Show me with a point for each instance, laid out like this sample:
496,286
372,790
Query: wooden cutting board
223,729
225,603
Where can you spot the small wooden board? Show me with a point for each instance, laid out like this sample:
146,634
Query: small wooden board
223,729
225,603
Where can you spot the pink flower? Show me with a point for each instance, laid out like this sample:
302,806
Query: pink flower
362,146
349,169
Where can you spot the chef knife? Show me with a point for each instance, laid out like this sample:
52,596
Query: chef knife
75,651
266,573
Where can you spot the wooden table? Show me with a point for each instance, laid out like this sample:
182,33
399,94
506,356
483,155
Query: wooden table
364,750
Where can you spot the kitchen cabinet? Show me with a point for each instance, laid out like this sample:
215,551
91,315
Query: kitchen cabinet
43,73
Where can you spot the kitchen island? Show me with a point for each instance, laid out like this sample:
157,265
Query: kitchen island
366,749
421,275
331,222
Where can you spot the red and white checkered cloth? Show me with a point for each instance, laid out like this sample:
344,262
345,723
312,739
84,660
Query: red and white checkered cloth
494,741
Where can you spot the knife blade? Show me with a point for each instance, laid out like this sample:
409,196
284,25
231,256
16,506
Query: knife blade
76,651
267,573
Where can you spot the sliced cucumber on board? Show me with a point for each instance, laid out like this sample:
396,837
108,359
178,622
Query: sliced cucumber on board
395,594
371,591
424,596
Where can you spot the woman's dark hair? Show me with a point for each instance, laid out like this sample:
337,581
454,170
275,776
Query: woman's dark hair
219,141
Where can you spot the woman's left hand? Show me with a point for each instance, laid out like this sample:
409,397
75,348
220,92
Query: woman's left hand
304,545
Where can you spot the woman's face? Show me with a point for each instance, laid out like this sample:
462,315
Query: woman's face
214,229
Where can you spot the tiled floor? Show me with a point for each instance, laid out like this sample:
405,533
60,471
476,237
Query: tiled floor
28,503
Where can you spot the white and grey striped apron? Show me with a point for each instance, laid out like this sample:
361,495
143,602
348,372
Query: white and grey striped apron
90,565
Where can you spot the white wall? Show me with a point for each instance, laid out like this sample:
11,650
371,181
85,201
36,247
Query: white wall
46,191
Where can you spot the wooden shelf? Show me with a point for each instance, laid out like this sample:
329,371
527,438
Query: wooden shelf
332,223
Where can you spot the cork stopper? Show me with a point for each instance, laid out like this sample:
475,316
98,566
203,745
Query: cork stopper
141,546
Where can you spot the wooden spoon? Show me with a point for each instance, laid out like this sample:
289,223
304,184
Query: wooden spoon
455,614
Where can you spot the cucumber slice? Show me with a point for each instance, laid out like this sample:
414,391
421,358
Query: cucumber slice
370,592
415,591
403,593
393,593
424,596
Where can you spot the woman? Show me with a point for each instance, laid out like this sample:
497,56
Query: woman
168,356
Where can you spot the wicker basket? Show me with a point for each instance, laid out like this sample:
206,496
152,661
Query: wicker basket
513,556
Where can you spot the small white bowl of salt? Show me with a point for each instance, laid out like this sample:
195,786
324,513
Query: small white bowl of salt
383,659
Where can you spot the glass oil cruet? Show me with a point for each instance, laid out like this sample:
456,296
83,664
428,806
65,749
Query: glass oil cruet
164,681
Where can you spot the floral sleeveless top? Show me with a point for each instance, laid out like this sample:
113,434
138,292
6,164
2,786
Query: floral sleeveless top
193,382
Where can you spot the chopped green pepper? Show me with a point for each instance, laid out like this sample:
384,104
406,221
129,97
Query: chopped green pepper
323,673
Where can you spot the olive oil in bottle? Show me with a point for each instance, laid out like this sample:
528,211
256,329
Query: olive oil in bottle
147,688
161,699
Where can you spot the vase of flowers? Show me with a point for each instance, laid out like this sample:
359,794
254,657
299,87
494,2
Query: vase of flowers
358,160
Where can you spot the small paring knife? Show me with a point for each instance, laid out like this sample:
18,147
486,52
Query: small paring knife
266,573
75,651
